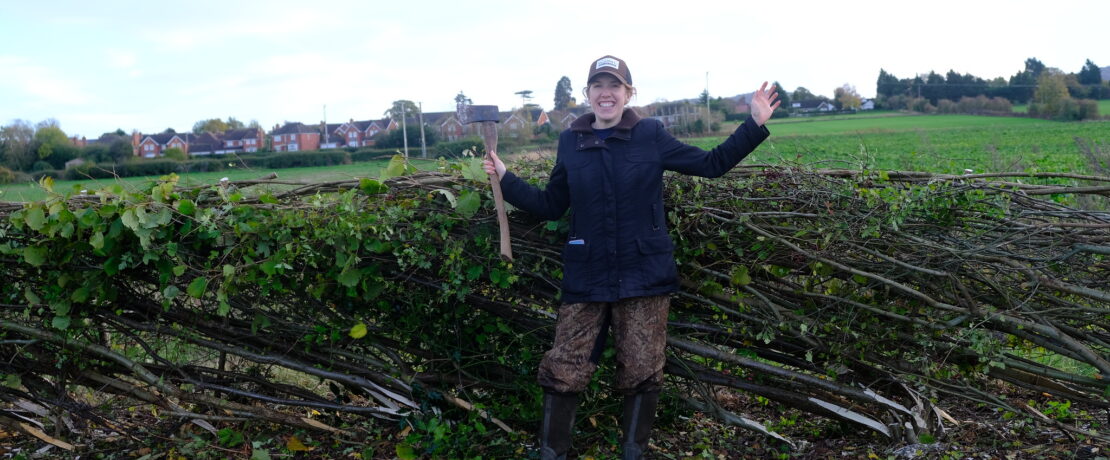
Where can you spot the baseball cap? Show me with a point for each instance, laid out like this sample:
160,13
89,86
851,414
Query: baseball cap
612,66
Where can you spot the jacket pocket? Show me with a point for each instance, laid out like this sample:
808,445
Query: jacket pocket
656,265
576,269
655,245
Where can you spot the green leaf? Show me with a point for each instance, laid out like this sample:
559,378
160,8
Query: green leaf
81,294
350,277
179,270
468,204
229,270
131,220
740,276
404,452
197,287
372,187
170,292
186,207
267,198
97,240
35,218
32,298
472,169
35,255
60,322
450,196
396,168
358,331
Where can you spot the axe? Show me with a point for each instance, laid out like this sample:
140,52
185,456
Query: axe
487,116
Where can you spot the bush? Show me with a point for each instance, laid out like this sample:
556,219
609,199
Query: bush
41,166
368,154
175,153
458,148
7,176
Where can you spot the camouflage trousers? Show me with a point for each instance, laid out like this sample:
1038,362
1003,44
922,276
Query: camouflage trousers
640,331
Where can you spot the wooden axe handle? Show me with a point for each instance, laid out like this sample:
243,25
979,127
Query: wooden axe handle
489,137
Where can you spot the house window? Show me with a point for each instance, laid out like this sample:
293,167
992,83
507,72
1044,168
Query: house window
277,138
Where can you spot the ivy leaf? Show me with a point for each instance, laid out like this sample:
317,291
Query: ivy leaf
404,452
197,287
350,277
97,240
395,168
468,203
472,170
740,276
60,322
186,207
358,331
372,187
80,295
32,298
35,218
34,255
130,220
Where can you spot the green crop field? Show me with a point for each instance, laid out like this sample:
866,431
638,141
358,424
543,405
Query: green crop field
936,143
31,191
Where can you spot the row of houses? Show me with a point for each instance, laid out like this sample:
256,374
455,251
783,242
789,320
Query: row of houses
298,136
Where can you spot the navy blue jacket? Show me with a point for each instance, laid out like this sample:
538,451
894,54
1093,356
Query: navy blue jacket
618,246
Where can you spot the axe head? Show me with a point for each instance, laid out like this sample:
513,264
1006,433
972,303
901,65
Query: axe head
478,113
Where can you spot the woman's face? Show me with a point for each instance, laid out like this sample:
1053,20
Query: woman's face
607,97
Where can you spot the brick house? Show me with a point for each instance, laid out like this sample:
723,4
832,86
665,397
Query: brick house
154,145
295,136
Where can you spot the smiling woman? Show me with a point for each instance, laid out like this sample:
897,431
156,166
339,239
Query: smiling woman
618,263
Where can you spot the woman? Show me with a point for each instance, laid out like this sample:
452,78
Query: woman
618,263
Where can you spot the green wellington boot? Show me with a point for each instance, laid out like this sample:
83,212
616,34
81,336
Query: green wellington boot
639,415
557,424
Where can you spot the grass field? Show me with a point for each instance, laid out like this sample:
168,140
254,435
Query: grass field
32,191
937,143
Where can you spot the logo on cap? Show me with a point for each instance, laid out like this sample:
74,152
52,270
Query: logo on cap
607,62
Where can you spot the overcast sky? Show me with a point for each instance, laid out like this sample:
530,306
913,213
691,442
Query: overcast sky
149,65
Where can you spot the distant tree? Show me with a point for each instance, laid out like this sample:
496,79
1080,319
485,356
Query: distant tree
1034,67
802,94
121,150
847,98
401,108
48,138
254,124
394,139
96,153
211,125
16,139
525,96
169,131
233,123
563,94
175,153
784,95
888,85
1090,75
1051,97
461,99
118,132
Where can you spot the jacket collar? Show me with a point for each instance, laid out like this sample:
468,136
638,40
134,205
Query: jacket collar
622,130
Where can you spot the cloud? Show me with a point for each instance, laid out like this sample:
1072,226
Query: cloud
40,84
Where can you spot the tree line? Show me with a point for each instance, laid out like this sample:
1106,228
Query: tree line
1050,92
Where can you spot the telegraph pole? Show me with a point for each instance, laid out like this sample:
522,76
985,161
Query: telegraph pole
708,113
404,131
423,146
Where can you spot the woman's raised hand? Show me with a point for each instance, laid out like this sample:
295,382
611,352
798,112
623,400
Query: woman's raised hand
764,103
